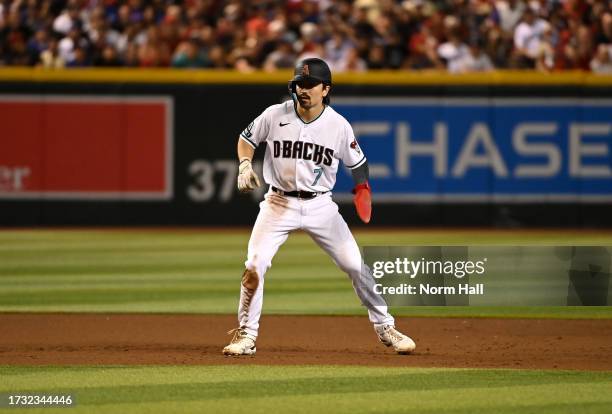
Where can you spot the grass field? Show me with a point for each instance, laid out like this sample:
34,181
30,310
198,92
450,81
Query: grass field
236,389
174,271
199,272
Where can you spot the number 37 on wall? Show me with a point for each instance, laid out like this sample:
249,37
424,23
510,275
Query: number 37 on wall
216,181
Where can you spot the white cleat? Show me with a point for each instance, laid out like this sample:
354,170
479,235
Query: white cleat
389,336
242,343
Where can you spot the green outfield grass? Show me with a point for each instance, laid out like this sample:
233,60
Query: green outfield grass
174,271
259,389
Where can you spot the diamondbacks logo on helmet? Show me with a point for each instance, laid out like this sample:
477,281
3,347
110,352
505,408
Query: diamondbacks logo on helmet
305,71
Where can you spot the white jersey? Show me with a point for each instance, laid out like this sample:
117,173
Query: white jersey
300,155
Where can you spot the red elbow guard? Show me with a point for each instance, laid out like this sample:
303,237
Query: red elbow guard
363,201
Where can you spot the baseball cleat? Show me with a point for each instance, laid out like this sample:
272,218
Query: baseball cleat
242,343
389,336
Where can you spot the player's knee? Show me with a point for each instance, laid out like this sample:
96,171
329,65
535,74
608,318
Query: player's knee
349,262
352,267
351,270
258,264
250,279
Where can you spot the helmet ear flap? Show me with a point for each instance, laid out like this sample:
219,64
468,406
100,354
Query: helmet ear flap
292,92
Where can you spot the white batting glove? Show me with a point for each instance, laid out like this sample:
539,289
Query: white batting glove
247,179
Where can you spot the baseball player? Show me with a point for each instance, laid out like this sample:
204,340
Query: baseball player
306,140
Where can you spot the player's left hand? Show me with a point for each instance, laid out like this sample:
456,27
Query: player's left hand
247,178
363,201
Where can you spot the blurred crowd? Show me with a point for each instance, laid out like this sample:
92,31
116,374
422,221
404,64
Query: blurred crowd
358,35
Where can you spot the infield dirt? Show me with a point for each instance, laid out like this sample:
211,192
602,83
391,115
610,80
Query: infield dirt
110,339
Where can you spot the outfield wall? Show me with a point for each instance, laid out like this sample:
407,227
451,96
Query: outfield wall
157,147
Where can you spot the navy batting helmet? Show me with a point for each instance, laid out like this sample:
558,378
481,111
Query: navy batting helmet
314,70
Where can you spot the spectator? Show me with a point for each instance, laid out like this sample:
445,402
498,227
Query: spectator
527,40
380,34
188,55
497,44
604,28
602,61
283,57
155,51
131,55
579,48
99,32
545,59
376,57
70,42
37,45
475,60
67,20
122,19
315,50
108,58
270,42
51,58
79,58
386,35
243,65
217,57
361,24
454,51
509,13
336,49
422,46
351,62
309,37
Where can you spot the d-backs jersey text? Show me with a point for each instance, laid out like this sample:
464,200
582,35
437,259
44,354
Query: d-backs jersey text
303,156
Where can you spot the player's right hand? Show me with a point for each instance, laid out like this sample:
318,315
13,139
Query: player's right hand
247,179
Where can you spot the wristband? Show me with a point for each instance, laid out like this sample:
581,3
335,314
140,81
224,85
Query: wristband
362,186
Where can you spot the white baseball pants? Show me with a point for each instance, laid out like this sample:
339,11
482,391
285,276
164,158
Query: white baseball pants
319,217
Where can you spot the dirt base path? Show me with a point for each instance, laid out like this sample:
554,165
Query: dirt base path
67,339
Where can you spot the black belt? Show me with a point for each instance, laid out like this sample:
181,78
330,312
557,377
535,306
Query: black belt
299,194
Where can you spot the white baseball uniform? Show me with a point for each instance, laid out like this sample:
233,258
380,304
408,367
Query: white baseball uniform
303,156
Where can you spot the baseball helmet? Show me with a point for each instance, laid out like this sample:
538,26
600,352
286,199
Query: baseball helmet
314,70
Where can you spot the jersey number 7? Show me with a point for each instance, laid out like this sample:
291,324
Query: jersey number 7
318,172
